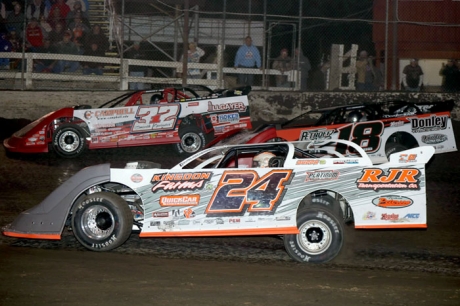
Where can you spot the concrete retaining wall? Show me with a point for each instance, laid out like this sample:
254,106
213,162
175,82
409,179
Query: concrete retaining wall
267,107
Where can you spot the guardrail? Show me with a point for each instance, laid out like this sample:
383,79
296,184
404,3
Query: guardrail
215,73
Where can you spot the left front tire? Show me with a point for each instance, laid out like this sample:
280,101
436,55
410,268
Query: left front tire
102,221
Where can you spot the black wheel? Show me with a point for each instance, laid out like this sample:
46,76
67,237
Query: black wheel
192,140
102,221
69,141
394,147
320,236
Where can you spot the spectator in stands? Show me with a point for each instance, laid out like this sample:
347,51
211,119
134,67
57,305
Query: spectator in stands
34,35
57,34
36,8
77,5
194,53
301,63
412,78
45,25
282,63
93,67
55,18
15,40
16,19
247,56
5,46
450,73
96,36
137,71
45,65
365,72
78,12
2,11
79,31
66,46
64,9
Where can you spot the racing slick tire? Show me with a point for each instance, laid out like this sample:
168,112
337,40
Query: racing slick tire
393,147
102,221
320,236
192,140
69,141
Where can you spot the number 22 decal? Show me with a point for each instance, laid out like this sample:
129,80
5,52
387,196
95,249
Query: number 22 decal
239,188
156,117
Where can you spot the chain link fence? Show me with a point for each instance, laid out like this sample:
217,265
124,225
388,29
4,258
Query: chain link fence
306,45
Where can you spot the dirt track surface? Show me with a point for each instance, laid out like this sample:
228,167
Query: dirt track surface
397,267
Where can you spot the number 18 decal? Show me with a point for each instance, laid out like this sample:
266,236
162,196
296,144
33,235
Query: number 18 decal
156,117
237,189
365,134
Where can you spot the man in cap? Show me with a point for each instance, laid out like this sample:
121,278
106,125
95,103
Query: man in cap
412,78
66,46
282,63
450,73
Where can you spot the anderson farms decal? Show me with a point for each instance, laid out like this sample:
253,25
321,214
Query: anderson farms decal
395,178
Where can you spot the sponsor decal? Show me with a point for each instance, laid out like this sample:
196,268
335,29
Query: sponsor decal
164,214
175,212
233,106
180,181
370,215
136,178
232,117
208,221
390,217
193,104
196,222
283,218
322,175
250,220
316,134
397,123
434,138
307,162
155,223
395,178
183,222
392,201
411,216
219,221
114,112
426,124
265,219
234,220
189,213
180,200
169,223
345,162
407,158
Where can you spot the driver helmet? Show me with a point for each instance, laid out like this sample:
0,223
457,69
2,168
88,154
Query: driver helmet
261,159
354,116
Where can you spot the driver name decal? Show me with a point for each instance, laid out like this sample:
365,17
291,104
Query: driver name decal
426,124
395,178
180,181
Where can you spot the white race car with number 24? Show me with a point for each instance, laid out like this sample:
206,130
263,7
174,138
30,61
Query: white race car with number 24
308,194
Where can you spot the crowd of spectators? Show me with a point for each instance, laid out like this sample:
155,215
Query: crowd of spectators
51,26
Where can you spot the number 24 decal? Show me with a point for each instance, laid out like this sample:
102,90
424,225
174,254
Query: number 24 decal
239,188
157,117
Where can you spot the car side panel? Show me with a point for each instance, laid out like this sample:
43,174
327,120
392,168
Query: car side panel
47,219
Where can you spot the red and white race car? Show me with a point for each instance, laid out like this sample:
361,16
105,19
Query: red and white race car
188,117
306,192
379,128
